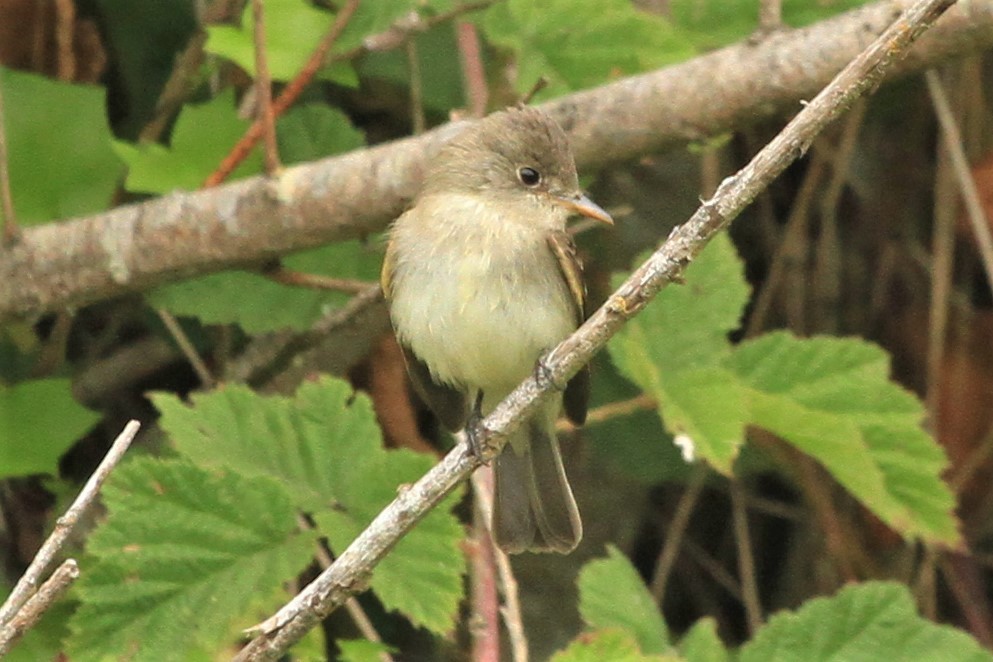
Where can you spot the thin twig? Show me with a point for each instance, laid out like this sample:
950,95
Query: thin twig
965,471
280,274
837,539
417,120
770,15
828,253
263,361
186,347
643,402
944,213
407,26
788,249
676,531
746,560
960,165
538,86
26,585
329,590
473,72
967,586
511,610
484,624
925,584
32,611
714,568
65,26
11,230
263,90
286,98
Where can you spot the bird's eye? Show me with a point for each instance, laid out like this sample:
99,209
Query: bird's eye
529,176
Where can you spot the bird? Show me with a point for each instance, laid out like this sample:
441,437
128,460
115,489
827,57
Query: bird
482,279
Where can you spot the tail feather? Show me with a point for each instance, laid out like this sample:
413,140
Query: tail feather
533,506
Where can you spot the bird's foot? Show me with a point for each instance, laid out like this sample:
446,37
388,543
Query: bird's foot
543,373
476,432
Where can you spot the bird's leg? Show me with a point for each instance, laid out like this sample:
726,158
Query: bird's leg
473,427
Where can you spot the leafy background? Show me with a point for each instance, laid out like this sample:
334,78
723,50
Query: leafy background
829,439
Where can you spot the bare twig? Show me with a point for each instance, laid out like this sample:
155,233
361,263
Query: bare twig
417,120
407,26
713,567
334,585
642,402
65,26
944,214
280,274
828,252
746,560
32,611
770,15
11,230
788,251
186,347
966,584
263,90
484,624
511,610
26,585
473,73
675,531
538,86
267,357
960,165
286,98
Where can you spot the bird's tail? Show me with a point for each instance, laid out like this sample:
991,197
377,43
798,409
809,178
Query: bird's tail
533,506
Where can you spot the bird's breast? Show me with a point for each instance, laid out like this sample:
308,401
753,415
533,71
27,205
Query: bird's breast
480,310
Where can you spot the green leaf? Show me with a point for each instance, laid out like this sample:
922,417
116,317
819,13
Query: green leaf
314,131
292,31
362,650
259,305
183,555
674,351
636,444
862,623
46,121
39,421
702,644
832,399
581,43
324,445
613,644
202,137
612,594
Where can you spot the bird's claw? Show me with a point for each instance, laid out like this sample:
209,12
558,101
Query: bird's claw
475,431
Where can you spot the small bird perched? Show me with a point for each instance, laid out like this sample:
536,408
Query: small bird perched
482,279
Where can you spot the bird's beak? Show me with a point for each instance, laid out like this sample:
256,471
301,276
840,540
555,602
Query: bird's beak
582,205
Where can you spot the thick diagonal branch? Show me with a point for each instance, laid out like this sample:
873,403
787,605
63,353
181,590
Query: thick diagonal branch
68,264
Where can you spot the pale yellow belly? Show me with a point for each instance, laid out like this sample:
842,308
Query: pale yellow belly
482,326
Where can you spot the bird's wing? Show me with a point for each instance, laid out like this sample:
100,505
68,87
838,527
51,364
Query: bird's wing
448,403
577,392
